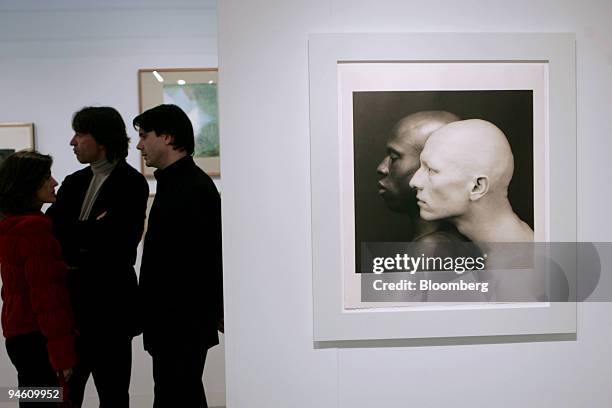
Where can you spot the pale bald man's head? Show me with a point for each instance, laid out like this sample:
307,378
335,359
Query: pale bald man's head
404,146
462,162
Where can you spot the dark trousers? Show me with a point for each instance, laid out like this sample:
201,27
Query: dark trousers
28,353
109,360
177,374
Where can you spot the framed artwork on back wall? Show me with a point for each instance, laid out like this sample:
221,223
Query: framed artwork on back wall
15,137
195,91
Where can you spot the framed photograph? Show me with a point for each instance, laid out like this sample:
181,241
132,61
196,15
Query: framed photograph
375,97
15,137
195,91
362,88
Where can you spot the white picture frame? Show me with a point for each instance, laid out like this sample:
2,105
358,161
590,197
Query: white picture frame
15,137
332,172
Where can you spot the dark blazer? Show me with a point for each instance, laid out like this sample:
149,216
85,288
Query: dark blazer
181,279
101,251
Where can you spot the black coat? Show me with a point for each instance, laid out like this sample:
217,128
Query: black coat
181,273
101,250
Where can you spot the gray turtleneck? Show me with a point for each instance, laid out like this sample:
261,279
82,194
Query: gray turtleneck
101,170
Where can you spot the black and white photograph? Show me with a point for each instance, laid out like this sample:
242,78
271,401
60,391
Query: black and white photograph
439,153
480,132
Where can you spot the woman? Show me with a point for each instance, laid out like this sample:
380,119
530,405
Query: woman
37,319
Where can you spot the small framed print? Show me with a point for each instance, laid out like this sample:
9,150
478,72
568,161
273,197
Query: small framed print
195,91
15,137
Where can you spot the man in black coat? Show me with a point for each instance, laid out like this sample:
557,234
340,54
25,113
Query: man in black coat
181,273
98,218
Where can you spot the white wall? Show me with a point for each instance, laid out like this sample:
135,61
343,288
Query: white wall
271,361
56,57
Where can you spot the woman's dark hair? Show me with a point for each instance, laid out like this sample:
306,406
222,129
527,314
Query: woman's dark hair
168,120
22,174
107,128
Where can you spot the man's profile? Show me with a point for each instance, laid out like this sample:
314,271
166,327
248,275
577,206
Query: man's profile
181,278
404,146
466,168
98,218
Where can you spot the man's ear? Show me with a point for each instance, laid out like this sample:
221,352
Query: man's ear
480,188
168,139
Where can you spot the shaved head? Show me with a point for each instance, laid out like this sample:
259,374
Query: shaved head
415,129
478,148
404,146
466,168
462,162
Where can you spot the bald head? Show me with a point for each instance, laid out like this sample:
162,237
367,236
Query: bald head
416,128
477,147
404,146
462,162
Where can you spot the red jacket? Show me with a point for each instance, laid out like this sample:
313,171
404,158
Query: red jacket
34,291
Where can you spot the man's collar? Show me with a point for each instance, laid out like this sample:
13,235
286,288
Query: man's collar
175,168
102,166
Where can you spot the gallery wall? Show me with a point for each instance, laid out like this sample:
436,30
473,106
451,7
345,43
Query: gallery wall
271,359
56,57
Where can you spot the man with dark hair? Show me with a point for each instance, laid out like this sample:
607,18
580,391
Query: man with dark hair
181,277
99,219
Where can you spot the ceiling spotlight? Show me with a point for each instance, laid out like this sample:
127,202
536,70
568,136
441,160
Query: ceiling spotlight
181,82
158,76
